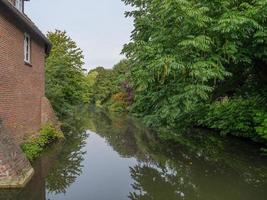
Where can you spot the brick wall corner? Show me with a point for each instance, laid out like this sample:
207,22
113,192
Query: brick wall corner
48,115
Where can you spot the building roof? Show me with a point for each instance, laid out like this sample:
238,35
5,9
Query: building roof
23,21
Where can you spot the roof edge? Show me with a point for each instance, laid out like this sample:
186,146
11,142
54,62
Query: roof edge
29,24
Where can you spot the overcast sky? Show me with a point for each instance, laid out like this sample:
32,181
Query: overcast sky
98,26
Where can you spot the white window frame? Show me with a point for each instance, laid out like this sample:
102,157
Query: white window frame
19,5
27,48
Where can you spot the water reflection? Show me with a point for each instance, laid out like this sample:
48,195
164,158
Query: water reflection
199,166
68,166
59,166
127,161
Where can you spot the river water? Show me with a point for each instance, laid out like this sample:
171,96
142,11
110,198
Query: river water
114,157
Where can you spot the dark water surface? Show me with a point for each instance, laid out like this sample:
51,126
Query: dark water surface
108,157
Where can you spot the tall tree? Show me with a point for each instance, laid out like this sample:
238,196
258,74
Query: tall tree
66,84
182,50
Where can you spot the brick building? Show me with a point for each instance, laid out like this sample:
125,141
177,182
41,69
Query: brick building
22,85
23,106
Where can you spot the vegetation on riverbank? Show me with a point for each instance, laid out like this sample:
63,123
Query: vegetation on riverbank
237,116
187,65
188,58
193,64
35,145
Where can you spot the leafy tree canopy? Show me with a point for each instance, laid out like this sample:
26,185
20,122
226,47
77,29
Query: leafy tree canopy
66,84
185,51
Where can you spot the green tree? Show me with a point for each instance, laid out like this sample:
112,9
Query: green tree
110,87
186,52
102,84
66,84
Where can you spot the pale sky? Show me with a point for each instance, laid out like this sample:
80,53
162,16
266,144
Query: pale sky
98,26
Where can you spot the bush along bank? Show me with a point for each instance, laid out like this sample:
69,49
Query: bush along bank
34,146
237,116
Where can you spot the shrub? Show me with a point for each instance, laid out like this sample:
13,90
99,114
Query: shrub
114,106
229,116
34,146
260,120
237,116
120,97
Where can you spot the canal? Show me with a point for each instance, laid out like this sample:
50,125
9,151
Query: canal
114,157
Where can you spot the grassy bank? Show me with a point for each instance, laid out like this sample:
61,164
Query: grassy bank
34,146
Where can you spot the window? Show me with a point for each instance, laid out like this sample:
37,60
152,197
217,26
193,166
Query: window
27,48
19,5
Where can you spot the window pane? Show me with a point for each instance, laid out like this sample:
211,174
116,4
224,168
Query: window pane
19,4
27,48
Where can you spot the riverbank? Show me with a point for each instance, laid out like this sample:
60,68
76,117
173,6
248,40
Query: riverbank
242,114
34,146
229,122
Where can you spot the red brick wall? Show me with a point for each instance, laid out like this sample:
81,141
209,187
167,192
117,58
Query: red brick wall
13,163
21,86
48,115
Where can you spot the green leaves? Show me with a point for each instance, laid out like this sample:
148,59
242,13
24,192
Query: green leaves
34,146
260,120
66,84
184,51
237,116
198,43
173,58
110,87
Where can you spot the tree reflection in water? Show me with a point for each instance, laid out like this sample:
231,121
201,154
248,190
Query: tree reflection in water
198,166
68,166
157,184
60,166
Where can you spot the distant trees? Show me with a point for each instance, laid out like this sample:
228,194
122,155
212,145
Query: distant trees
66,84
103,86
110,88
